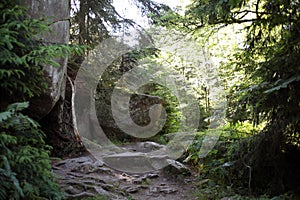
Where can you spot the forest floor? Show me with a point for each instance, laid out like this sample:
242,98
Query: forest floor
85,177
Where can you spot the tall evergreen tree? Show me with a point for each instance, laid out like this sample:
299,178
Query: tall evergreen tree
270,64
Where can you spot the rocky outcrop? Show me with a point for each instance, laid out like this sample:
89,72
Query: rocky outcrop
139,107
53,108
87,176
58,13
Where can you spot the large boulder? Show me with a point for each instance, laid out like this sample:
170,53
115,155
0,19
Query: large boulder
58,13
139,107
53,108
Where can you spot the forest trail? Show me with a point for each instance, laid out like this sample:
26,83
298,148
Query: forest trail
85,176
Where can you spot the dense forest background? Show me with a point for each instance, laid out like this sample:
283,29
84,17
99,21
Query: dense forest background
251,48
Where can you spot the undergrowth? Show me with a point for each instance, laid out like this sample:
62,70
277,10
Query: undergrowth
227,169
24,158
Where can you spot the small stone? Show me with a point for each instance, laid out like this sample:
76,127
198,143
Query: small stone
163,188
168,190
99,163
152,194
152,175
101,191
176,167
131,189
125,175
154,190
71,190
152,146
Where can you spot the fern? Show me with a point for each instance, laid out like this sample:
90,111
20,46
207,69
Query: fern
24,161
5,115
11,176
24,156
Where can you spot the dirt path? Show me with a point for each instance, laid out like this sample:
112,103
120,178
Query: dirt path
87,177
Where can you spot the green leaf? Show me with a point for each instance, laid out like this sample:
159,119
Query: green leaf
5,115
11,175
18,106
